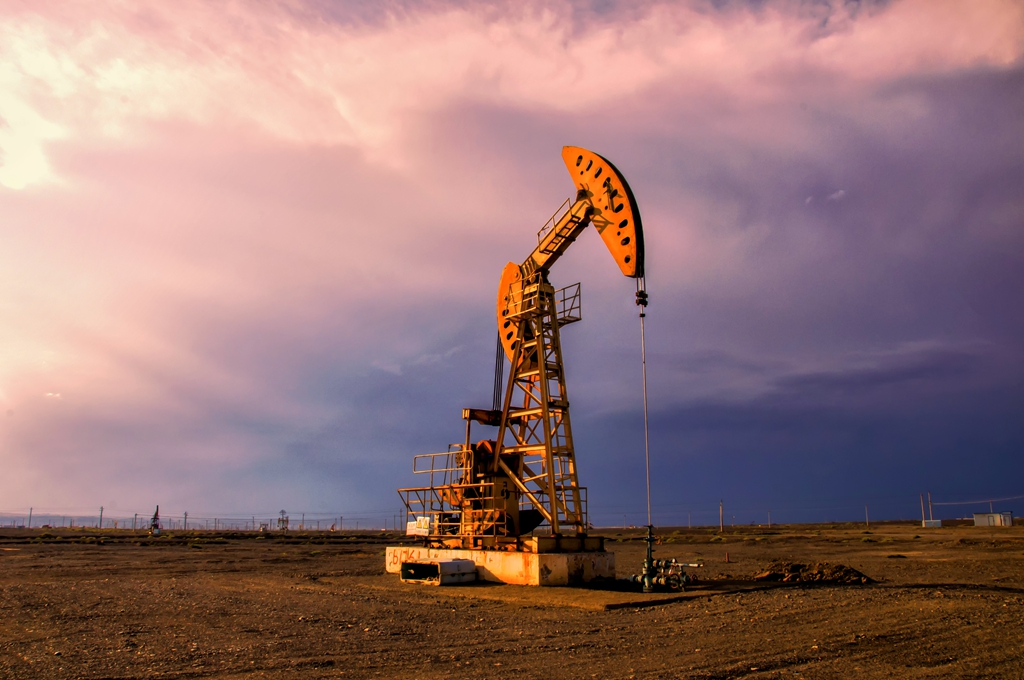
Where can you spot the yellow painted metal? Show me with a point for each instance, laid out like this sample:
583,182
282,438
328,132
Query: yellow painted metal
493,493
510,291
535,423
604,199
615,214
555,239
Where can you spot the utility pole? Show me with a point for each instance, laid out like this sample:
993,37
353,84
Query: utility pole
922,509
769,519
184,526
721,516
30,517
134,520
930,515
101,518
867,520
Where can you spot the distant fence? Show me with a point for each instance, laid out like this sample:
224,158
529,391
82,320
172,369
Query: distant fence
673,513
186,521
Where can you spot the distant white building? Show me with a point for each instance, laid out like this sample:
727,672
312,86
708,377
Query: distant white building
993,519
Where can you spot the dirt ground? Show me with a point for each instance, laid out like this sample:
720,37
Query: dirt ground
947,603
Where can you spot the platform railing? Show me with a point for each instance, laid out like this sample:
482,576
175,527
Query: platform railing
524,300
554,219
435,511
446,464
568,306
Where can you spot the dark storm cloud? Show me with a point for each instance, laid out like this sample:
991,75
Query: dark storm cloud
927,366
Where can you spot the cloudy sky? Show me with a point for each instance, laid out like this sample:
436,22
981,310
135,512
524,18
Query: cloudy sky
249,251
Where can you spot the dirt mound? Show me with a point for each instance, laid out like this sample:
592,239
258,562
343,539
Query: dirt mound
820,572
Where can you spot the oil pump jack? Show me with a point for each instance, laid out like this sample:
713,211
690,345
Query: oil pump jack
492,494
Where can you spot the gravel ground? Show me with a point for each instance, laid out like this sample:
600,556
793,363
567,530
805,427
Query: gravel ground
945,603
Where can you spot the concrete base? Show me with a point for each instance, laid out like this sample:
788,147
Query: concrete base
516,568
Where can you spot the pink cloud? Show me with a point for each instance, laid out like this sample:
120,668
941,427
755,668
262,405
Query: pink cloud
195,199
76,72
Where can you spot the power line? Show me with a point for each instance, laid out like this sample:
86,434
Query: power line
987,500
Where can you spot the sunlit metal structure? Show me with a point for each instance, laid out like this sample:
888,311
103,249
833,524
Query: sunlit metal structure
493,493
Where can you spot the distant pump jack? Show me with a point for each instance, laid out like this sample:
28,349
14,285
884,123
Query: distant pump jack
154,524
